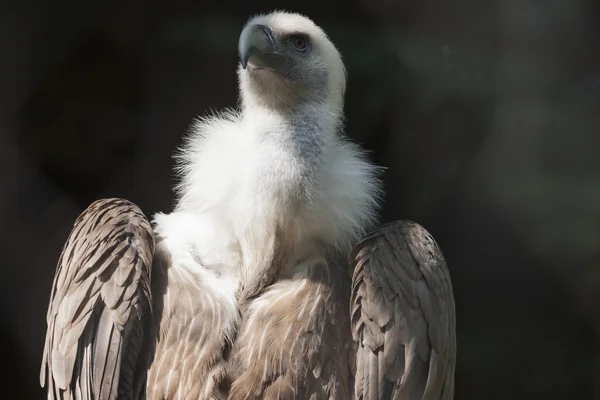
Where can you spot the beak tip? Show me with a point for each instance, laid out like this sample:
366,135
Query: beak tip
243,56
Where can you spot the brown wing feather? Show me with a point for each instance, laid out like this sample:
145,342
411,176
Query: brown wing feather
99,303
403,321
295,341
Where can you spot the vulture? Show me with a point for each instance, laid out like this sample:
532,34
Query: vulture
271,278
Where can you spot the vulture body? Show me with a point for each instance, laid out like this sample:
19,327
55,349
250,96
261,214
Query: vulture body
243,291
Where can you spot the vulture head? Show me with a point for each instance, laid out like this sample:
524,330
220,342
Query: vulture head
287,61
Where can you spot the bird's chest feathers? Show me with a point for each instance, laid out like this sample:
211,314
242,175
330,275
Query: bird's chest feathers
261,181
284,167
274,189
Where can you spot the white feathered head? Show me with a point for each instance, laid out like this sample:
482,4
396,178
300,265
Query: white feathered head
287,60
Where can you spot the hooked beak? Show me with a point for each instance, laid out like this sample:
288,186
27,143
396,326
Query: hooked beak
256,40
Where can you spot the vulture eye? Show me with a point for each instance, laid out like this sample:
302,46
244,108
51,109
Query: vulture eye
300,43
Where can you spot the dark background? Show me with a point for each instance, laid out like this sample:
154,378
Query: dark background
486,113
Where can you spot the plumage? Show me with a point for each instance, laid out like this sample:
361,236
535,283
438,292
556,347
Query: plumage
196,322
295,341
242,291
402,310
99,303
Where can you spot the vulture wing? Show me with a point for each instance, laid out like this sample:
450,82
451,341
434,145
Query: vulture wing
403,320
100,305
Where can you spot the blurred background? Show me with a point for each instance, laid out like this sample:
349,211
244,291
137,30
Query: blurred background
486,113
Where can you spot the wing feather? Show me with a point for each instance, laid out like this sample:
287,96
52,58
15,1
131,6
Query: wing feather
403,322
99,304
